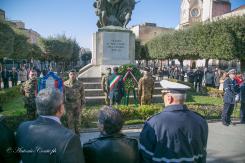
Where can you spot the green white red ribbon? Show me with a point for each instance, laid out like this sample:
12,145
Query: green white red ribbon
114,82
131,74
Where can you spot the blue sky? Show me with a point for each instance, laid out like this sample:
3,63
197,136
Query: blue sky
76,18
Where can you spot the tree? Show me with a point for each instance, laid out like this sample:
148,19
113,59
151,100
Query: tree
141,52
86,56
58,48
7,37
222,39
35,52
21,47
75,52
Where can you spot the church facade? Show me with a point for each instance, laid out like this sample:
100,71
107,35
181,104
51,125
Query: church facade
192,11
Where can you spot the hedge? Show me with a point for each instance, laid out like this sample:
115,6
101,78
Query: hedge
130,114
209,107
5,94
222,39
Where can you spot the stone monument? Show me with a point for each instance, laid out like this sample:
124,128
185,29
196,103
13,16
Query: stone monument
113,44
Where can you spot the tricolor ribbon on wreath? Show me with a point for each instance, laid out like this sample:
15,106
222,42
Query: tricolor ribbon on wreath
126,76
129,72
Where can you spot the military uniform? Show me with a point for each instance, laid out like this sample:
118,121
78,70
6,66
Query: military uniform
106,87
29,90
145,89
174,135
231,89
74,100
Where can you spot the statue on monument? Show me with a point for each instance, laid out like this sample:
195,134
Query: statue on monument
114,12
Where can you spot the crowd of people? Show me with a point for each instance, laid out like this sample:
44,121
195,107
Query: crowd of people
16,75
211,76
164,137
229,82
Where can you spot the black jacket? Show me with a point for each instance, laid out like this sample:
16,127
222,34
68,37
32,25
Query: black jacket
7,145
242,93
111,149
198,75
46,141
5,75
174,135
14,76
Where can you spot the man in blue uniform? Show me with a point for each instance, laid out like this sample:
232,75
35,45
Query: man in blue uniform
242,99
231,89
176,134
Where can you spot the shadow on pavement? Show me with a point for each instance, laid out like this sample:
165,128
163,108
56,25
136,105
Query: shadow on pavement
226,159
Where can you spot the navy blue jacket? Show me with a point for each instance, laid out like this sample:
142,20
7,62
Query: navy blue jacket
242,93
231,88
174,135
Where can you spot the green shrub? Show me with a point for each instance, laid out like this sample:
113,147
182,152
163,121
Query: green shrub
130,114
89,117
134,121
214,92
129,83
146,111
6,95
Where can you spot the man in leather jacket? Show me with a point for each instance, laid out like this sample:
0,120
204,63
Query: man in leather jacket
46,140
112,146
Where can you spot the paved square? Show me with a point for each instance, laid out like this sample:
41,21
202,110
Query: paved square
225,144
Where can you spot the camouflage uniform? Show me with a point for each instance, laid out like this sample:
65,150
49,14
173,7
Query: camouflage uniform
74,101
145,89
105,87
29,90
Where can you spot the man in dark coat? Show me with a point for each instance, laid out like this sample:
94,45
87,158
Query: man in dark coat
46,140
231,89
5,77
198,76
7,144
242,99
112,146
190,76
176,134
14,77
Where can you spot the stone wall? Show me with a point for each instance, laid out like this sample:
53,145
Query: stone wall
145,33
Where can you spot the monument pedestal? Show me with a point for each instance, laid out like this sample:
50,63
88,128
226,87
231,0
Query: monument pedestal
112,46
